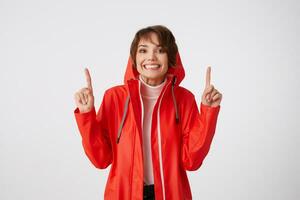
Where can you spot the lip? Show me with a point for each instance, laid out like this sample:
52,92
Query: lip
151,66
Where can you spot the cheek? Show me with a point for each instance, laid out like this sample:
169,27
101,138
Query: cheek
165,60
138,60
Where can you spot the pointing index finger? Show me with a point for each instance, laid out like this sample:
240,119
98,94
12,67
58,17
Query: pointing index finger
208,72
88,78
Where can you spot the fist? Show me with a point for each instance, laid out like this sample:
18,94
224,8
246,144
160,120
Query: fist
84,98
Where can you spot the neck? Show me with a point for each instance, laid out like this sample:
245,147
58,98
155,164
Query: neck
152,82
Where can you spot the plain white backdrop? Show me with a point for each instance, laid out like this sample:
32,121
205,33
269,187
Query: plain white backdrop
252,46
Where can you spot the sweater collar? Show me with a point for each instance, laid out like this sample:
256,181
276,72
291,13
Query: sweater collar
149,91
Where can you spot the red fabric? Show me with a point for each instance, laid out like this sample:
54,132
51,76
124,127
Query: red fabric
183,146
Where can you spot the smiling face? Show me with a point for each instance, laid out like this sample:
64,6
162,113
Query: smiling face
151,60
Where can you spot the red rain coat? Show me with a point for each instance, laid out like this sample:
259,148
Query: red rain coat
180,137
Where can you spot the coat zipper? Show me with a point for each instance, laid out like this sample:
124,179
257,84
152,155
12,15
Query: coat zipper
159,146
159,136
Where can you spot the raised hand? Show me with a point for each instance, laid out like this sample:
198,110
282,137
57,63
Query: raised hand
84,98
211,96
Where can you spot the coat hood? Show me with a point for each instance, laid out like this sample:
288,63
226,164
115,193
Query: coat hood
177,71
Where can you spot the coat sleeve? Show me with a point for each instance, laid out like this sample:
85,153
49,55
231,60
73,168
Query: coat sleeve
198,131
95,135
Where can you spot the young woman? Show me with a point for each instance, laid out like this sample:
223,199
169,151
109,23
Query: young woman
149,130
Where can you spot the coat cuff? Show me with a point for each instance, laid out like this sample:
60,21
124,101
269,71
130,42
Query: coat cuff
81,117
209,109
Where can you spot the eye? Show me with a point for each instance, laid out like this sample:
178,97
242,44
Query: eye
142,50
161,50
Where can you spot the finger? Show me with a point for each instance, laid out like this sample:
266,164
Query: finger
214,92
88,78
209,89
85,97
87,91
217,96
207,80
87,94
89,99
84,90
76,97
82,98
211,93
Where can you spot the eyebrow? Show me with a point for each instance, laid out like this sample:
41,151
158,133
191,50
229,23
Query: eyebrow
144,45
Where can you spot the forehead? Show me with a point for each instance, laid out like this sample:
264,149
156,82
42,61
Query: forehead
150,38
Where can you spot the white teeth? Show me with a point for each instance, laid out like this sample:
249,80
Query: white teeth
151,66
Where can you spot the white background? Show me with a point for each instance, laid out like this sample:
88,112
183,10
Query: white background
252,46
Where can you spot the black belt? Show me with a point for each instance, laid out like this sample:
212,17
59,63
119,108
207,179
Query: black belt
148,192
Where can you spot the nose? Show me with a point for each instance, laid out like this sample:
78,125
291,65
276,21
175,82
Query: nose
151,56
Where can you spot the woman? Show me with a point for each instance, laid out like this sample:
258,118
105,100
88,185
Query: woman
149,129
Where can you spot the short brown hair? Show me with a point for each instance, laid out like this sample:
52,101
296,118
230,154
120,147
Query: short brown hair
166,40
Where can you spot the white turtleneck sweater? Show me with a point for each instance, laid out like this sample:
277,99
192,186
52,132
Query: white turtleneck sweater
149,95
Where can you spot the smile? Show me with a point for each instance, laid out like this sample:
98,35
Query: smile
152,67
